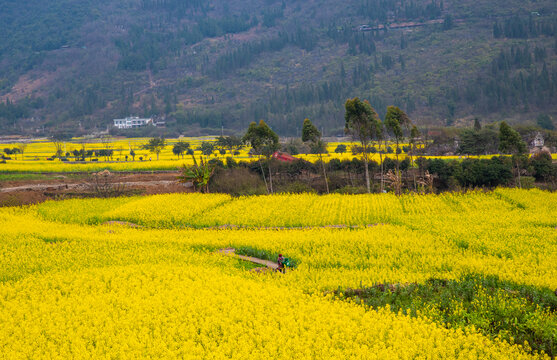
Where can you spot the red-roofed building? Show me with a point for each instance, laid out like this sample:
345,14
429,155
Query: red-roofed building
285,157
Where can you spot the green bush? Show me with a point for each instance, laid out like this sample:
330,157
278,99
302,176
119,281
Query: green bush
516,313
527,182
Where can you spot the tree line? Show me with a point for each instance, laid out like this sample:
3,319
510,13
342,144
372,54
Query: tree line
518,27
248,52
381,10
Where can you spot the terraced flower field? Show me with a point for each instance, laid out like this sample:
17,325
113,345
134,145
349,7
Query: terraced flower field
452,276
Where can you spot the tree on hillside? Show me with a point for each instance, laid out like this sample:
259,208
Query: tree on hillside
363,123
544,121
312,135
477,124
155,145
263,141
510,142
180,148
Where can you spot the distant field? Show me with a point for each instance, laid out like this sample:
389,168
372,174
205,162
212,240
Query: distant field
448,276
36,153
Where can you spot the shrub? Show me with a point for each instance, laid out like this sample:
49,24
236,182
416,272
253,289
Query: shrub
237,181
527,182
542,165
231,163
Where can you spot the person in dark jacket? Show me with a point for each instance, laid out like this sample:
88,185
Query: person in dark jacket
280,263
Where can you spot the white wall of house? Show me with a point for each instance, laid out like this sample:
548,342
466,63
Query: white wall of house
132,122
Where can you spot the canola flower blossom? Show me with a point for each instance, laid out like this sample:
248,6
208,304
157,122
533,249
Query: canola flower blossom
75,285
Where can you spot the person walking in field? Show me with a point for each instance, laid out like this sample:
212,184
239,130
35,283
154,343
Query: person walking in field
280,262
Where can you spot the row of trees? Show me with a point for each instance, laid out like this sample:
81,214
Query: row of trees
18,149
365,126
248,52
361,121
524,27
265,142
382,10
347,176
155,145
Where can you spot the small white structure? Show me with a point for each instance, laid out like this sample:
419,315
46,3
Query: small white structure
132,122
538,140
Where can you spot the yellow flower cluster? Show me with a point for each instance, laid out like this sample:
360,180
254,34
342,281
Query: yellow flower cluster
193,312
167,210
74,286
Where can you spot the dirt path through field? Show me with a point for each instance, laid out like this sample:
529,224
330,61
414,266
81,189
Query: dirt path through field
57,187
232,252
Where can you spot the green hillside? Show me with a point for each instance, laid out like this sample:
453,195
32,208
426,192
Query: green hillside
203,65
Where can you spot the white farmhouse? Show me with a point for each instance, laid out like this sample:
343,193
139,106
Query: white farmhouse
132,122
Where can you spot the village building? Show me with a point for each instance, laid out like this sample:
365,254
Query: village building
538,145
538,141
132,122
283,157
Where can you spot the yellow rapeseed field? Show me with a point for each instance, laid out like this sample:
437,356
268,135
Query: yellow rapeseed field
80,280
37,152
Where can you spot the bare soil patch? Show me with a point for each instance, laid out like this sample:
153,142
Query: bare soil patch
25,192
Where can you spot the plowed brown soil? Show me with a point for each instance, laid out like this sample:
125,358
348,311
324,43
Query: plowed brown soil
24,192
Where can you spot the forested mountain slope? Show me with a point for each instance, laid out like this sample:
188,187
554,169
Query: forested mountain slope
77,64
